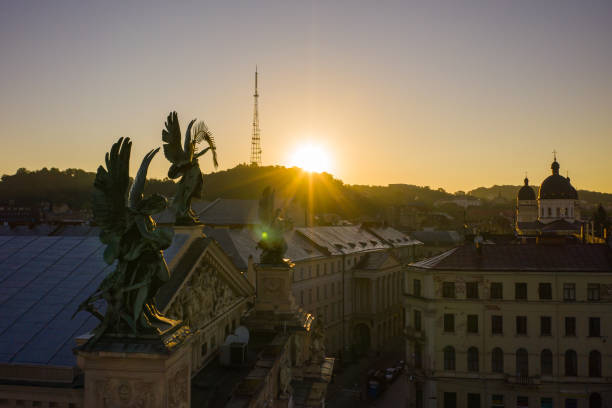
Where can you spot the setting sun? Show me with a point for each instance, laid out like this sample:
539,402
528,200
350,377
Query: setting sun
311,158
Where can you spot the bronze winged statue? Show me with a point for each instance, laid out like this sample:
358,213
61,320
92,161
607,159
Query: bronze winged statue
185,164
134,243
272,243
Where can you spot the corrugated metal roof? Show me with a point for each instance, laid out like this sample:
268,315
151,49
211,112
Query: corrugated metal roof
42,282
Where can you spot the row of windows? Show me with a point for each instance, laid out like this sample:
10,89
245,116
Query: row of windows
320,269
559,212
522,361
497,400
497,324
520,290
328,291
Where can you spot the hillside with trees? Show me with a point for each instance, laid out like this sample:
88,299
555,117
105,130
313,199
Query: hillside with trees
320,191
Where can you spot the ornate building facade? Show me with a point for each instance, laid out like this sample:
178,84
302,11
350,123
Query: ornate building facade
555,211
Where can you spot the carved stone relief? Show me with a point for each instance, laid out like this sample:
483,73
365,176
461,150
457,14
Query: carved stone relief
178,391
273,286
125,393
202,298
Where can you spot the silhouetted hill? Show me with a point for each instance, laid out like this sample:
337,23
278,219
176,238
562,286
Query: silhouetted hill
328,194
70,186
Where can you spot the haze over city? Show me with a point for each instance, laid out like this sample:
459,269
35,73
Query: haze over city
446,94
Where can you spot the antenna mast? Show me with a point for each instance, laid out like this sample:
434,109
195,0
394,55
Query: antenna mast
255,139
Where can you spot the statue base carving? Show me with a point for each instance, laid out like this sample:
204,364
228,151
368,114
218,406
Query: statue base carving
145,371
274,289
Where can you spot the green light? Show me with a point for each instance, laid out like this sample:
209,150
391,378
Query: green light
264,235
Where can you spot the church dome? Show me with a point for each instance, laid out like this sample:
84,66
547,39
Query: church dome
526,192
556,186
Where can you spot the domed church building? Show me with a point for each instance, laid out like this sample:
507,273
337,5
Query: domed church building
555,211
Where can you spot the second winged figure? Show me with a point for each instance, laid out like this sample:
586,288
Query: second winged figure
184,159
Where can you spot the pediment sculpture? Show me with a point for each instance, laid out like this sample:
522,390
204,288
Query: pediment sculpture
204,296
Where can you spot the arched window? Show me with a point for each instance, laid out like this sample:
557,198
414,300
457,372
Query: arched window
595,400
571,363
472,359
546,362
549,211
449,358
594,364
522,362
497,360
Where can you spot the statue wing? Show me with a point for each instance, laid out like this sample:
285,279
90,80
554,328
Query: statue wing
187,145
137,190
171,136
110,197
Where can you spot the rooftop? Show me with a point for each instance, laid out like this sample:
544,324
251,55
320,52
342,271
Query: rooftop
229,212
42,281
524,257
239,244
435,237
343,240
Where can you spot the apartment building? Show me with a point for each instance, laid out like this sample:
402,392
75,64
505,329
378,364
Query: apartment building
350,277
511,326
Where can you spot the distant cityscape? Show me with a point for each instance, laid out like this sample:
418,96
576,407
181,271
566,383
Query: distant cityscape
185,227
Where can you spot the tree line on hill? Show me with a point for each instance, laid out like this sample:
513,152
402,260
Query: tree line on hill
320,191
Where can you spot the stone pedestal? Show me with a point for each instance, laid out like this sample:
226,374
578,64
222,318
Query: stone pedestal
134,373
274,289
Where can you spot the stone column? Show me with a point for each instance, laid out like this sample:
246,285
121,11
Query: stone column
134,372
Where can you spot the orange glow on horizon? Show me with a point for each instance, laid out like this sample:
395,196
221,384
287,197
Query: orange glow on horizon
311,158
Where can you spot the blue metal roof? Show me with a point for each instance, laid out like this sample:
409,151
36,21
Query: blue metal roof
42,281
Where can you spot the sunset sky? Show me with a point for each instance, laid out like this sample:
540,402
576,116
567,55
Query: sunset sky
452,94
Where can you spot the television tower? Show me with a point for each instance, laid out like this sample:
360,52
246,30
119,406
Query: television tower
255,139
